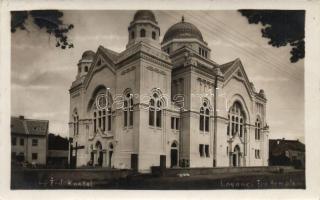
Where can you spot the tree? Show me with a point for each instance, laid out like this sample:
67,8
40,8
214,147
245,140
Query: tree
50,20
282,27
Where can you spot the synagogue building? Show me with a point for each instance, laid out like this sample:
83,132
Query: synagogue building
165,103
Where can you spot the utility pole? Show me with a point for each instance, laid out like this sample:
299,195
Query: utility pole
215,120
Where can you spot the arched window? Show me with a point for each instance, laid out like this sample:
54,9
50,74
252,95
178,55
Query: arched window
94,122
102,111
155,110
204,117
75,123
236,124
128,110
132,35
98,146
142,33
86,68
257,130
174,145
228,127
153,35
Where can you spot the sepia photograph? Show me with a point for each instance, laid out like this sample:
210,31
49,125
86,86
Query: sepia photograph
158,99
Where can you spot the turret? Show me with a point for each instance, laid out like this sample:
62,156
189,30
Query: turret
85,63
144,27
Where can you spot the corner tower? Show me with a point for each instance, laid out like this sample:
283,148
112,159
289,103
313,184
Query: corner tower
144,27
85,63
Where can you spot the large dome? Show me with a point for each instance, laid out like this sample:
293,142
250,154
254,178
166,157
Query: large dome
144,15
182,30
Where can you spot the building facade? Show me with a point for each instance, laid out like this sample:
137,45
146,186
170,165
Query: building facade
165,104
29,140
287,152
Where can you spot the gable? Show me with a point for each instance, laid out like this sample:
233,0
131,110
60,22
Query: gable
225,67
104,58
235,70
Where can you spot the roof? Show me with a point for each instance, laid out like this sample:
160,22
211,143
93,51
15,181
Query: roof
182,30
17,126
88,55
225,67
20,125
279,146
227,71
144,15
111,54
78,81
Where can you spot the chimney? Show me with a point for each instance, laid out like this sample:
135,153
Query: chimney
21,117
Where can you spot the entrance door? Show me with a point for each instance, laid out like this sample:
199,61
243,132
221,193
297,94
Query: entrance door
100,158
91,158
110,158
134,162
236,156
174,157
99,153
234,160
110,155
174,154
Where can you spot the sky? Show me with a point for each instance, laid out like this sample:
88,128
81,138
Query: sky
41,74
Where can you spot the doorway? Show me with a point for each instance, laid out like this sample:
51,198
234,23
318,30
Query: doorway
234,160
100,154
110,155
91,158
236,156
100,158
174,155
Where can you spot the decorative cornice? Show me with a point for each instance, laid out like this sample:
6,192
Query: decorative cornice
154,60
157,53
205,82
127,53
147,49
75,95
186,40
128,70
199,71
154,69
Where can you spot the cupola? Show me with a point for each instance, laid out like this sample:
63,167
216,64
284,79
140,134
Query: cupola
182,30
144,27
85,63
185,34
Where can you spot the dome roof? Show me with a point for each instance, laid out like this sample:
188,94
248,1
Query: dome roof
182,30
88,55
144,15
